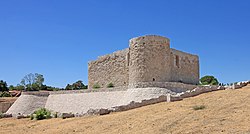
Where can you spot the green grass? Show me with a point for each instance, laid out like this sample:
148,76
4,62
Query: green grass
110,85
96,86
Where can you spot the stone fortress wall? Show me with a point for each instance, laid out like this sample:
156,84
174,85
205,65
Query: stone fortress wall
148,59
184,67
112,68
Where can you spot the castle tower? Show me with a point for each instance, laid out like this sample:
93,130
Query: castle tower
149,60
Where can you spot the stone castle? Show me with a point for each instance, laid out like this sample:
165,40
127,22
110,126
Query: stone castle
149,61
148,72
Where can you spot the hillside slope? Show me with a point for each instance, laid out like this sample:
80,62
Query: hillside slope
226,111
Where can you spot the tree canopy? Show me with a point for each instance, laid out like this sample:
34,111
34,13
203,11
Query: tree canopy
76,86
209,80
3,86
33,82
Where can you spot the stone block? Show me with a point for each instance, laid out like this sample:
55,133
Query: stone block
67,115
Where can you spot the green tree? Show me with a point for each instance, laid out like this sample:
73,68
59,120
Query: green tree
209,80
11,87
69,87
19,87
3,86
33,81
76,86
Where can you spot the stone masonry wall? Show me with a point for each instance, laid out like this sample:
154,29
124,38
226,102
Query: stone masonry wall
184,67
112,68
149,60
172,86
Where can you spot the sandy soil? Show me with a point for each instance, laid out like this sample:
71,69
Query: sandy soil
225,112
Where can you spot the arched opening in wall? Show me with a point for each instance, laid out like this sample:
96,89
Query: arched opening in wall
153,79
177,61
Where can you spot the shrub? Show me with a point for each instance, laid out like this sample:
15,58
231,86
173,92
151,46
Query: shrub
96,86
85,87
201,107
49,88
41,114
76,86
110,85
55,115
5,94
19,87
209,80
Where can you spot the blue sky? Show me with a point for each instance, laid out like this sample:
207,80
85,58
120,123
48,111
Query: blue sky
57,38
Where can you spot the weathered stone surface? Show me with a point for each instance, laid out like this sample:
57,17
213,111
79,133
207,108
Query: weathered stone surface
6,115
173,86
66,115
238,85
104,102
101,111
112,68
133,104
20,116
81,102
149,60
175,98
184,67
28,103
196,91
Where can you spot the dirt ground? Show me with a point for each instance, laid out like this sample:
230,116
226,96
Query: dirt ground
6,102
8,99
225,111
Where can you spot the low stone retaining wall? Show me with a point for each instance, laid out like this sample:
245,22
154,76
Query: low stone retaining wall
27,103
167,96
80,103
37,93
86,103
173,86
238,85
90,90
